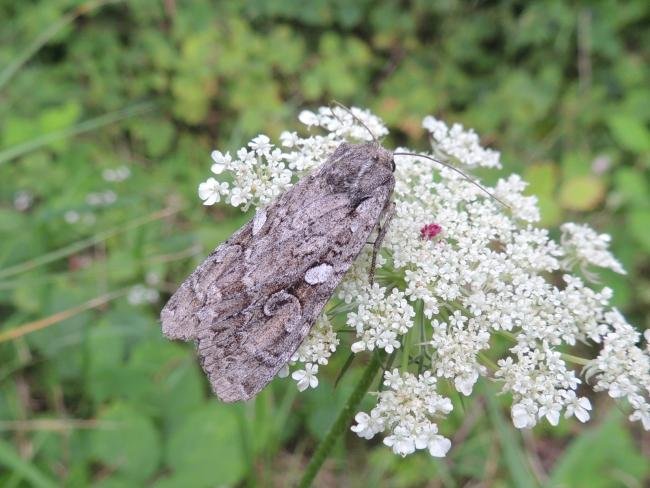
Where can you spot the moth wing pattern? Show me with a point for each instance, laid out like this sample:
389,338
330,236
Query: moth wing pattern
253,300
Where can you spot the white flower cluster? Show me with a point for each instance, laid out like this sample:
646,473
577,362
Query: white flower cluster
459,342
259,175
115,175
407,410
262,171
316,349
101,199
474,268
541,386
141,294
462,146
623,369
584,246
381,318
345,124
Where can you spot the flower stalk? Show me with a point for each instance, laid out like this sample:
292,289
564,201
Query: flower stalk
342,422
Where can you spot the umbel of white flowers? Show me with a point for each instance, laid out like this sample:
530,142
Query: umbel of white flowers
472,268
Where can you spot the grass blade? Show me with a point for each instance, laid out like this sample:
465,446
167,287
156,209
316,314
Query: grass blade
46,36
54,425
85,126
514,456
10,459
85,243
28,328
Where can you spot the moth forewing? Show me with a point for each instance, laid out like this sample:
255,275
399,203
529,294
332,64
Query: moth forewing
253,300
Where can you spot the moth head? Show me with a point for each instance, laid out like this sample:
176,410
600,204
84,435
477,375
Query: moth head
360,168
379,155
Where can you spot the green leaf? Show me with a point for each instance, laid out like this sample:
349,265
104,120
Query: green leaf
582,193
543,181
170,379
88,125
206,448
633,187
60,117
576,164
105,346
639,226
156,134
630,132
542,178
130,443
602,457
17,130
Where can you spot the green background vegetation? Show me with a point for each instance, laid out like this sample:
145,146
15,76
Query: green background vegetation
97,397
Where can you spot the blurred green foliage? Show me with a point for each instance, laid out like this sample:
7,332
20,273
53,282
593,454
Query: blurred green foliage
99,398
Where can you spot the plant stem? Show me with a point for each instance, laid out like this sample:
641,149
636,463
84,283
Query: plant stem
406,350
341,423
575,359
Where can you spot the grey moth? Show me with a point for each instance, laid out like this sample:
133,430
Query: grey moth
253,300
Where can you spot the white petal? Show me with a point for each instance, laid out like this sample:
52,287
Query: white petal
284,371
439,446
581,414
235,200
553,416
212,199
464,384
584,402
389,441
521,418
308,118
422,441
298,374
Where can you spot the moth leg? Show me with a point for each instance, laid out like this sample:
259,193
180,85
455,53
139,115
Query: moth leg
389,213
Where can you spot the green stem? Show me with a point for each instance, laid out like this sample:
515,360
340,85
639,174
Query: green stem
406,351
575,359
341,423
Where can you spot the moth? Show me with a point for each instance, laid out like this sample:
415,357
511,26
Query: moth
253,300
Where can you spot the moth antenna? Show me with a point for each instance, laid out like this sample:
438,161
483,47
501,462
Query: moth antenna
453,168
334,115
355,118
